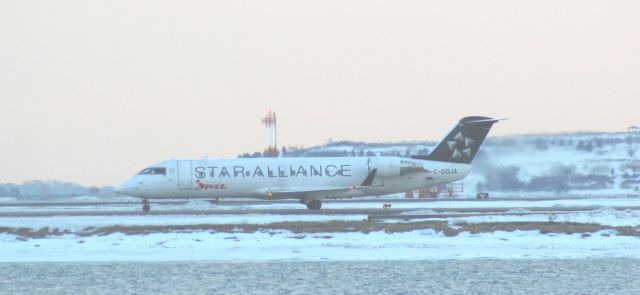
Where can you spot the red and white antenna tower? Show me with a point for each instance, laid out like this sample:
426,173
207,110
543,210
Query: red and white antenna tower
272,130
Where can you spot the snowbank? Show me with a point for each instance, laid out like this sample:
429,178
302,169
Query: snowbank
415,245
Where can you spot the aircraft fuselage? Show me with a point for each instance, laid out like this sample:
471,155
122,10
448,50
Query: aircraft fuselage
265,178
313,179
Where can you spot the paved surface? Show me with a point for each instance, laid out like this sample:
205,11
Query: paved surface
375,213
230,202
133,208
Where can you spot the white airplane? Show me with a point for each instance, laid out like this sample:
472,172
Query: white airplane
311,179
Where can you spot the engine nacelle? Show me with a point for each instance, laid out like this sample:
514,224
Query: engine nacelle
389,167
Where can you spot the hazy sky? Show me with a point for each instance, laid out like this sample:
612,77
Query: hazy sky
93,91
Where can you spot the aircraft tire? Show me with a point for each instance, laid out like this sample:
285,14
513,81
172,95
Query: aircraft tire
146,206
314,205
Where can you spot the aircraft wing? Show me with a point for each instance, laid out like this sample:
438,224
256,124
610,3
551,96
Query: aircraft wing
306,192
314,192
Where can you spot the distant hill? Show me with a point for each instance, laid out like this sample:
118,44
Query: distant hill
39,189
576,163
543,164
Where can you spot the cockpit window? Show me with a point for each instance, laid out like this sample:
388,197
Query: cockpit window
146,171
154,171
160,171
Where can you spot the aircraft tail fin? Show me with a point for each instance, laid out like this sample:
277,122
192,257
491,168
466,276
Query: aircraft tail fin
463,142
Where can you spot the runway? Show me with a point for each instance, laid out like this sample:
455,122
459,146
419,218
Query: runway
231,202
401,209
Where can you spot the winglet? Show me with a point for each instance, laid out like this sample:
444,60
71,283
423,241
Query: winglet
369,180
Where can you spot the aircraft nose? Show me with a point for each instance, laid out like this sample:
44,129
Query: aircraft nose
124,188
118,189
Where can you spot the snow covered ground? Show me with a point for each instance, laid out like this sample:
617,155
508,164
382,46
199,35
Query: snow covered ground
270,245
262,246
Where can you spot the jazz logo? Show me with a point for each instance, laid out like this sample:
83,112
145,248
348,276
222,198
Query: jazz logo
207,186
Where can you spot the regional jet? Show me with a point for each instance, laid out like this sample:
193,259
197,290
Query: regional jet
311,180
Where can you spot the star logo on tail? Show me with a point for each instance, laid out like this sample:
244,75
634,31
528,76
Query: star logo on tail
461,145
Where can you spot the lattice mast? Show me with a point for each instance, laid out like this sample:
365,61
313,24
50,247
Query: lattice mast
272,134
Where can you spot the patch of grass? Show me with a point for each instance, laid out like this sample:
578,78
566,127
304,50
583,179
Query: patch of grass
366,227
547,227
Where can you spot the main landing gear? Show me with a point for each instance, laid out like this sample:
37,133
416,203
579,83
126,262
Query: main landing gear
314,204
146,206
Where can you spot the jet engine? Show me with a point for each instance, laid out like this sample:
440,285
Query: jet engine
388,167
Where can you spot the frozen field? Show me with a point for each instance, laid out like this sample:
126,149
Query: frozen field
602,232
276,246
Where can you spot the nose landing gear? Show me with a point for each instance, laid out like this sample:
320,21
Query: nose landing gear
146,206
